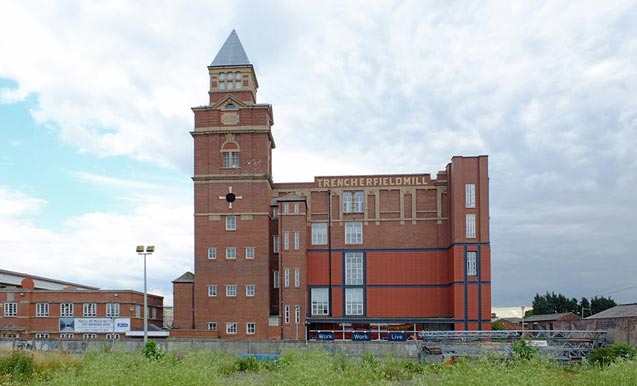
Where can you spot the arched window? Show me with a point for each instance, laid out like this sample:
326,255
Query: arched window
230,153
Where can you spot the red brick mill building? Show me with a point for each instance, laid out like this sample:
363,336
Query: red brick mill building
354,257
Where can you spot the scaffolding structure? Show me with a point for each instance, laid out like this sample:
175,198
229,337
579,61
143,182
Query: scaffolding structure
563,345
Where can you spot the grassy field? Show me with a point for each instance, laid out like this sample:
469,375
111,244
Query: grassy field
294,368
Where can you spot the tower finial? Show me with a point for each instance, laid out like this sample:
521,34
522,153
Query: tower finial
231,53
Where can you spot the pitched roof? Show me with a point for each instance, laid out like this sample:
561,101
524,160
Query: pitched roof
620,311
547,317
187,277
231,53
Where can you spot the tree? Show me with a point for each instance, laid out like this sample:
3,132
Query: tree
599,304
552,303
585,308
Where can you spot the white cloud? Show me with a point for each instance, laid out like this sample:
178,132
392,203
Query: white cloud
14,203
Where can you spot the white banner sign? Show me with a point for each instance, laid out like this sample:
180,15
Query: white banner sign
103,325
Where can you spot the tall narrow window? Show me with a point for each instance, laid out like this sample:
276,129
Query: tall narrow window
287,314
297,240
471,226
250,290
249,252
471,263
89,309
286,207
296,207
66,310
286,240
222,81
354,232
320,302
275,279
275,244
237,80
319,233
347,202
354,268
353,301
212,253
297,277
275,212
231,223
297,314
470,195
41,309
286,277
359,200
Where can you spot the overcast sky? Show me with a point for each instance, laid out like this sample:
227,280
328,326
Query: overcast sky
96,155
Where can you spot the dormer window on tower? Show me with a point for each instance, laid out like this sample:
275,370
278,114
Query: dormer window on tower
230,80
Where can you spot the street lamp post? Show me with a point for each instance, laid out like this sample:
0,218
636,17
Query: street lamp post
522,320
149,251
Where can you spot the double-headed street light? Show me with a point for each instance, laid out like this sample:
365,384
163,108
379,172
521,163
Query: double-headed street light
149,251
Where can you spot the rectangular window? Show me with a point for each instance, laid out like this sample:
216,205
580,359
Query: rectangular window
275,279
297,314
231,223
275,213
226,155
42,335
275,244
231,253
354,268
287,314
354,232
212,253
471,264
41,309
296,207
66,336
250,253
250,289
235,160
138,311
66,310
297,277
112,309
353,301
471,226
359,202
112,336
231,328
286,207
286,240
251,328
320,302
319,233
231,290
470,195
286,277
297,240
212,290
89,336
89,309
10,310
212,326
347,202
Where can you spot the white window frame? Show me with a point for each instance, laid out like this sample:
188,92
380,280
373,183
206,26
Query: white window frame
231,290
212,253
89,310
89,336
275,279
297,277
42,335
66,335
231,328
41,310
470,195
359,202
231,253
112,336
470,220
231,223
286,314
275,213
212,290
250,253
112,310
472,267
275,244
347,202
251,328
286,207
10,310
286,277
319,233
297,314
297,240
286,240
296,207
212,326
66,310
250,290
354,268
354,301
354,232
230,159
320,301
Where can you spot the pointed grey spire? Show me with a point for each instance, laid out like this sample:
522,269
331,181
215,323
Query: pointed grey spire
231,53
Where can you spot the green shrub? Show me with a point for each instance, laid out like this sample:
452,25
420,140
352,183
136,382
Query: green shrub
522,349
248,363
152,351
497,326
609,354
19,365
